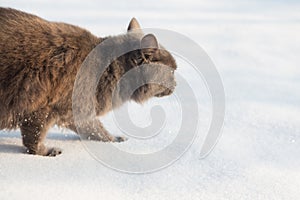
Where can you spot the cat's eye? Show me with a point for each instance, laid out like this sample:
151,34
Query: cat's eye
147,56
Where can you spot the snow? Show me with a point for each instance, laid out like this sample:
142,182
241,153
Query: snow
255,47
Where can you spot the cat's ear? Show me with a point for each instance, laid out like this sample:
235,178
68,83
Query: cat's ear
149,41
133,25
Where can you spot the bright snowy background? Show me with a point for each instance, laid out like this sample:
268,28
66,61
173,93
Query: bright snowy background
255,46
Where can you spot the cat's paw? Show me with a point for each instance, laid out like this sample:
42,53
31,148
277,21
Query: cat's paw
119,139
44,151
52,152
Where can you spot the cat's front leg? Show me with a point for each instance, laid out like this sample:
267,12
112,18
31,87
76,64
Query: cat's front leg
34,127
94,130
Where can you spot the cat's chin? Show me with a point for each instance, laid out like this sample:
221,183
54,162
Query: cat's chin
167,92
140,101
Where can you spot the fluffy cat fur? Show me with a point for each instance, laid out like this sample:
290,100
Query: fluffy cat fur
39,61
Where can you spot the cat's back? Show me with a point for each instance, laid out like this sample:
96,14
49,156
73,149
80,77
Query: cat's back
20,29
38,59
16,24
9,15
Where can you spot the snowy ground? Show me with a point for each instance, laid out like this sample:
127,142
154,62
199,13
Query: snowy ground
255,46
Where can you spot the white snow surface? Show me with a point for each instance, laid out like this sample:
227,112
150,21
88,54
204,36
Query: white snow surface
255,46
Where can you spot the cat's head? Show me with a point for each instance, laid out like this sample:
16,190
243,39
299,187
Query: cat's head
159,73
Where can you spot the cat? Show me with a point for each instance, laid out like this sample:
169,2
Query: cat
39,61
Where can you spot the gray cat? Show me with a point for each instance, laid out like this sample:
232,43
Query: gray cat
39,61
